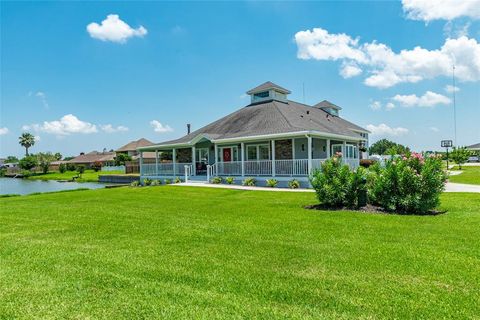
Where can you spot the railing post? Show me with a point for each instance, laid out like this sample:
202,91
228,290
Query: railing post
174,155
194,161
208,172
273,158
186,173
243,158
309,147
156,162
141,164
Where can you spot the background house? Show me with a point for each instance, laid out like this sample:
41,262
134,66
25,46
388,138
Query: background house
106,158
131,149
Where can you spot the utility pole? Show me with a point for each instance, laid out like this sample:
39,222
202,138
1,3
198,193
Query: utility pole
454,106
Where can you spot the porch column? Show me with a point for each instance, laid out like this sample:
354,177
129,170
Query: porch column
194,161
174,160
216,154
344,151
328,149
243,158
309,147
273,158
293,148
156,162
141,163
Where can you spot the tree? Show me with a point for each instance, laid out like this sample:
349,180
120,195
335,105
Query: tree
385,146
121,158
96,166
62,168
28,162
80,170
44,159
460,155
58,156
11,159
26,140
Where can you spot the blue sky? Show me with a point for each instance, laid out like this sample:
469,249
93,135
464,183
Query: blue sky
158,66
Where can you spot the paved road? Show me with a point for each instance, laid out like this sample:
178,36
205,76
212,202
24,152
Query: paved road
460,187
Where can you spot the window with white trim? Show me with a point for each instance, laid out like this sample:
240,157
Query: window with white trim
258,152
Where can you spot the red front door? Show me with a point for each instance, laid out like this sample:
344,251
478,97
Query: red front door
227,154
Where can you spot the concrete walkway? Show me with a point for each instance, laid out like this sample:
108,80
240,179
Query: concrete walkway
451,187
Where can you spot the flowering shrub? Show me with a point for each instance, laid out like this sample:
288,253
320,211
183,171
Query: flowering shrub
251,182
229,180
294,184
147,182
408,184
216,180
336,185
272,183
156,183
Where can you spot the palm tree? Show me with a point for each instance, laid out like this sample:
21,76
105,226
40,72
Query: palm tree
26,140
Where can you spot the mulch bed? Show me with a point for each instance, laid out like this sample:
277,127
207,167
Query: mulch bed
369,208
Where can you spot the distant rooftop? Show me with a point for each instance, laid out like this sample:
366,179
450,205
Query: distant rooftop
133,145
267,86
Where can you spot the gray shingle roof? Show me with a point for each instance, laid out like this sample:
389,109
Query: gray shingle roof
268,85
133,145
474,146
273,117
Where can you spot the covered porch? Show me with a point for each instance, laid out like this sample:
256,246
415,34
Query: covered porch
295,156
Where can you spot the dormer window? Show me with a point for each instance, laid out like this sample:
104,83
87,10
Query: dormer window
268,91
264,94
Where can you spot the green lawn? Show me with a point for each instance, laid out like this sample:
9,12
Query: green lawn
87,176
470,175
179,252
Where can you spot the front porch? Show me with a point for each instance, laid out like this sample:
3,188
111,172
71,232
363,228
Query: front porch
295,157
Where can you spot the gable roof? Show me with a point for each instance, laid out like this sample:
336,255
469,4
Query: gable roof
93,156
133,145
266,86
271,118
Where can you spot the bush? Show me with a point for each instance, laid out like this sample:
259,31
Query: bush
168,181
216,180
96,166
177,180
135,183
26,173
410,184
62,168
147,182
71,167
294,184
3,171
28,162
250,182
366,163
80,169
229,180
156,183
272,183
336,185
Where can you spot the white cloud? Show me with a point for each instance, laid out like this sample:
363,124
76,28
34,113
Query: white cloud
37,138
389,106
384,130
449,88
386,68
68,124
42,96
160,128
350,70
3,131
114,29
429,99
108,128
375,105
434,129
428,10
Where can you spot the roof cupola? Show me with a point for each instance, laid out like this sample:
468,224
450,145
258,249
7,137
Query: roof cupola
268,91
328,107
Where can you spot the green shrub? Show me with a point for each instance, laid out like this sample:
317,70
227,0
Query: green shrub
336,185
62,168
28,162
96,166
409,184
177,180
147,182
294,184
250,182
168,181
156,183
80,169
26,173
71,167
229,180
135,183
272,183
216,180
3,171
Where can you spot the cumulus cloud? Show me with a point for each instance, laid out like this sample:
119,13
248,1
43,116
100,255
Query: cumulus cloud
160,128
108,128
3,131
114,29
428,10
384,130
67,125
429,99
389,106
349,70
37,138
375,105
386,68
449,88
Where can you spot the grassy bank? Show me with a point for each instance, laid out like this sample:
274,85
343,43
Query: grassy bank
87,176
469,175
178,252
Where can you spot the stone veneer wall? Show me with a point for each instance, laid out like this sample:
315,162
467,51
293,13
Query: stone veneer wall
283,149
184,155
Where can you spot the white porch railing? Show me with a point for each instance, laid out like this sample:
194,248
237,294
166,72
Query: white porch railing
233,168
297,167
353,163
164,169
258,168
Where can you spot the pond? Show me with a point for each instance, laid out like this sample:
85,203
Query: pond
23,186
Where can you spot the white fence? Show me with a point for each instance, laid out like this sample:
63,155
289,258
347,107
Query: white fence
164,169
113,168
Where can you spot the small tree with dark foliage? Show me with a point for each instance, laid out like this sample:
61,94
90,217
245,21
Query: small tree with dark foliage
80,170
96,166
28,162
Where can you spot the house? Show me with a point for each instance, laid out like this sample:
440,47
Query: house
474,147
270,137
131,149
88,159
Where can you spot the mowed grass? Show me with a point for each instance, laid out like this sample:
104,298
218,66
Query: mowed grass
179,252
469,175
87,176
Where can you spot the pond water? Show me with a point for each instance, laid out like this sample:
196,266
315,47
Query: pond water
23,186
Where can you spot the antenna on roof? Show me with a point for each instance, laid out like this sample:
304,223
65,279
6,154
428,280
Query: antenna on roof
303,85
